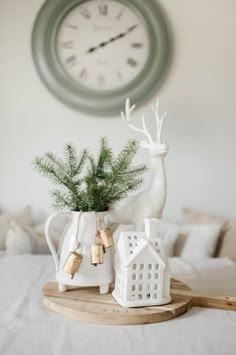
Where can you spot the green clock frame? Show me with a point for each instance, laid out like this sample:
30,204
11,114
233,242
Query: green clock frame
95,102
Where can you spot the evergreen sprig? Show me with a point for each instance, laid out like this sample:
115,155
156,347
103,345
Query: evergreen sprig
88,184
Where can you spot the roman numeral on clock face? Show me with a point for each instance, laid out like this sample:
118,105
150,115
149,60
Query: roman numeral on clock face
71,59
85,12
118,17
83,74
67,44
103,9
137,45
72,27
132,62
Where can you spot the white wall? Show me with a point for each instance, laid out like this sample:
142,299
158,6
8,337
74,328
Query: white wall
199,95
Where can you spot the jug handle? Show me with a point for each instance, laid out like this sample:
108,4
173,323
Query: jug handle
48,238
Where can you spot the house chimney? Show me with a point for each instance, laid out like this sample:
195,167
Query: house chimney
151,227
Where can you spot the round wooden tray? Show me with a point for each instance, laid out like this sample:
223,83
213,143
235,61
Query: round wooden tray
87,305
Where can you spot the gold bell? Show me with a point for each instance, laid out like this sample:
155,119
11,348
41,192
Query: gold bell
72,263
96,254
105,237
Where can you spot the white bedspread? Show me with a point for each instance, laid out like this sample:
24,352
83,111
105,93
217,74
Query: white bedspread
27,328
212,275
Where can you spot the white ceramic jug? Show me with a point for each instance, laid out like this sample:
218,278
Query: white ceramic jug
82,229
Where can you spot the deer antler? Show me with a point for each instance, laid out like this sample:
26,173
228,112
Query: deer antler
126,118
159,120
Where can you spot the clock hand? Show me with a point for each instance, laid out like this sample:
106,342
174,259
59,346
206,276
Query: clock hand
130,29
121,35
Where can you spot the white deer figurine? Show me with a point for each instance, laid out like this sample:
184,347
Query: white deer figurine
151,202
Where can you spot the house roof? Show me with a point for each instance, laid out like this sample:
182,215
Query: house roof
133,244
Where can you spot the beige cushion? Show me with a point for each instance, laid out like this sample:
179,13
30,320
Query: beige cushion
192,216
22,216
228,247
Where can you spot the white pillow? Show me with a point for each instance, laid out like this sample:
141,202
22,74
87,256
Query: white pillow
22,216
168,233
201,240
25,240
31,240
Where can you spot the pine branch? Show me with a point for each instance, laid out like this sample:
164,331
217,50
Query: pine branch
94,187
105,157
47,167
124,191
82,161
135,171
127,155
123,161
70,159
60,201
57,163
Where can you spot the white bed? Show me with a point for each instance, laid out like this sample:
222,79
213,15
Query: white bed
27,328
209,275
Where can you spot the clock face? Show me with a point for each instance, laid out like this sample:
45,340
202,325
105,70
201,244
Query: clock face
93,54
102,44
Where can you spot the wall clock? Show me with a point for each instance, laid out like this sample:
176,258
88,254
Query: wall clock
92,54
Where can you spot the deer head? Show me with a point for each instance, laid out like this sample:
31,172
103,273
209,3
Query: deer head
156,146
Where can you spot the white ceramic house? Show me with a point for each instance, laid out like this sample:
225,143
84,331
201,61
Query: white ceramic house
142,271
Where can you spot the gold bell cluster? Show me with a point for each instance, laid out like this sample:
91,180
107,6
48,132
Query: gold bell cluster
106,238
103,240
72,263
96,254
